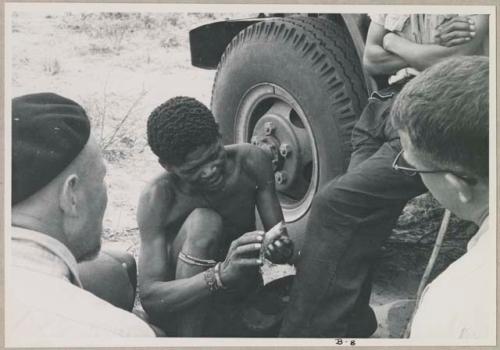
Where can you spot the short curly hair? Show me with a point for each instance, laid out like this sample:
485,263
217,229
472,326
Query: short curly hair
179,126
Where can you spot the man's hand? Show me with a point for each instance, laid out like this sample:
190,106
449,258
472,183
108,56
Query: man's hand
387,40
278,246
243,255
456,31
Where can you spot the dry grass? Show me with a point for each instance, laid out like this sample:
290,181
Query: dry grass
51,66
109,32
115,131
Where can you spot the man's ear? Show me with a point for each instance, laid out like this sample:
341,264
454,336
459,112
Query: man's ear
68,199
461,187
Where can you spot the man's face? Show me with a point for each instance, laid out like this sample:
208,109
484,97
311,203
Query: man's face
92,199
437,184
204,168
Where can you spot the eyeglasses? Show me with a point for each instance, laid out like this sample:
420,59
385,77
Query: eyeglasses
409,171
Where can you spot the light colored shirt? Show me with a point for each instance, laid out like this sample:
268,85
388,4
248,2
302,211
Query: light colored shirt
418,28
461,301
45,300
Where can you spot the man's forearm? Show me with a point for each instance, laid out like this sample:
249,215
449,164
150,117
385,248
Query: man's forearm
378,61
162,297
269,208
421,56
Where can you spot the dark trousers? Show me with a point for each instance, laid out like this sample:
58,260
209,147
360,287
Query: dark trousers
349,220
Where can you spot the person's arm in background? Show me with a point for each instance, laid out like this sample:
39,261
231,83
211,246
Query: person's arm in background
376,59
453,32
279,250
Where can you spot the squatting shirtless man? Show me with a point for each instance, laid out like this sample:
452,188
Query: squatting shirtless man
198,213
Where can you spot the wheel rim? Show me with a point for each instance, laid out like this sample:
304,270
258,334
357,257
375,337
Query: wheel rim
269,117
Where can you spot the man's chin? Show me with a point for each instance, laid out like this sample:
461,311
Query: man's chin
91,255
212,189
217,186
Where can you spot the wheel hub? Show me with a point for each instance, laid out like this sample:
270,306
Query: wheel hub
271,118
274,134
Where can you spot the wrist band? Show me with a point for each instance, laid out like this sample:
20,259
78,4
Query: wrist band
217,276
191,260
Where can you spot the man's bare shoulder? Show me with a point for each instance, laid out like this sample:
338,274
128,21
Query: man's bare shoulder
253,159
160,189
248,152
154,202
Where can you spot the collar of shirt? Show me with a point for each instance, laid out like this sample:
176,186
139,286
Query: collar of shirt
39,252
482,232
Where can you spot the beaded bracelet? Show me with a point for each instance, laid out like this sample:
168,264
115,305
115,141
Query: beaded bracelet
210,279
217,276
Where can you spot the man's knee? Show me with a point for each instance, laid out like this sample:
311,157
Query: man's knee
324,200
126,261
203,229
333,213
111,276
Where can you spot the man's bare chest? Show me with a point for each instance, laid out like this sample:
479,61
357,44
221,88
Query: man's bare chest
235,204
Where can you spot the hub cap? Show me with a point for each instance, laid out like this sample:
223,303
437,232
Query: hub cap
269,117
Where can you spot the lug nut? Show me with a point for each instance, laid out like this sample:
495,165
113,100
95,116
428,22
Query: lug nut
285,150
280,177
269,128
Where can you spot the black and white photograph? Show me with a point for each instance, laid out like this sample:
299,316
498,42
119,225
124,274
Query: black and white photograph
249,175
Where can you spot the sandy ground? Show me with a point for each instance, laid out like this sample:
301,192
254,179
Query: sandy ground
120,68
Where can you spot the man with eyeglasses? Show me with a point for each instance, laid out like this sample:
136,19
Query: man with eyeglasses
445,141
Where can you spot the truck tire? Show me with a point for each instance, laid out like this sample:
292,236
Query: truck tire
293,86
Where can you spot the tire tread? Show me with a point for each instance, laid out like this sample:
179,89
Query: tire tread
327,47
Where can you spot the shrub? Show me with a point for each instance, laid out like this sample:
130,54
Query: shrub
51,66
111,123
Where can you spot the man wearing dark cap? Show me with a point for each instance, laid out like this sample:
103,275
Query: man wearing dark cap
58,202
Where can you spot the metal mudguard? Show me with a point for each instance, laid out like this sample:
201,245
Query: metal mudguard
209,41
